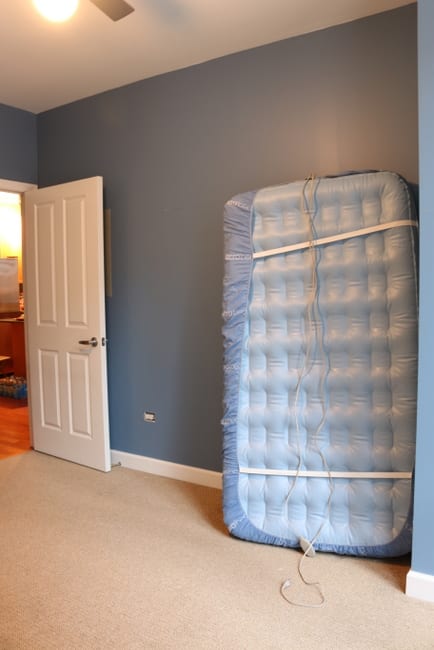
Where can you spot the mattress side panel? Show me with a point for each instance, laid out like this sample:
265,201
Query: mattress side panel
236,288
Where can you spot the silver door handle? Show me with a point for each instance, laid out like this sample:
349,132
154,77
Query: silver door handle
92,342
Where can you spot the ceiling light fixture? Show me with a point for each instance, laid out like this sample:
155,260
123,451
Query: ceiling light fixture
56,10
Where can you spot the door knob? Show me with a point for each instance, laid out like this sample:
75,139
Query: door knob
92,342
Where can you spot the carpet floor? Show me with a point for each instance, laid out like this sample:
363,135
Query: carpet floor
128,560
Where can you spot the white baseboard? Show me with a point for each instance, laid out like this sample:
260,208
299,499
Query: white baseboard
169,470
420,585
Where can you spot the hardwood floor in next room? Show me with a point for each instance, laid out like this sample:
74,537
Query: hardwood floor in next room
14,427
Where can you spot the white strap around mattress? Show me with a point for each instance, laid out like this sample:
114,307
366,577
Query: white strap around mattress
324,474
334,238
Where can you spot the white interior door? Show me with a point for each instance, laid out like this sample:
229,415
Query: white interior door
65,322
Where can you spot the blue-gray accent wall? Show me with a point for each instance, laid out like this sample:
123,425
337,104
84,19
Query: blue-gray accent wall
18,145
423,546
172,150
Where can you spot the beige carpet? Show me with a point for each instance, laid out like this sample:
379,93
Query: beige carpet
128,560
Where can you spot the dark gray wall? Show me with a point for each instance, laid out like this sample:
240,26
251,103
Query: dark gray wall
18,157
423,547
172,150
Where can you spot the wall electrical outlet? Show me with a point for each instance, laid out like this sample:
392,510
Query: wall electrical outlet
149,416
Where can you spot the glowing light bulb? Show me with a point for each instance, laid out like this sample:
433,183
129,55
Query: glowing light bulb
56,10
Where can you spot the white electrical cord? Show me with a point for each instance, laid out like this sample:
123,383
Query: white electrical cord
313,319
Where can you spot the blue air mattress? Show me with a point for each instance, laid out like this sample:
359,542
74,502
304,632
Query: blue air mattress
320,364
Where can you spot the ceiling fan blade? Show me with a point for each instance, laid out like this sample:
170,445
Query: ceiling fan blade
114,9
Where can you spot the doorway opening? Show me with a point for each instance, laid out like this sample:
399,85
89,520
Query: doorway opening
14,415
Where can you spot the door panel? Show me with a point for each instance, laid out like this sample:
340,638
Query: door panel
78,382
44,262
74,251
65,310
49,389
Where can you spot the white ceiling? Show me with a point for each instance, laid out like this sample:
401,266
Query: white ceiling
44,65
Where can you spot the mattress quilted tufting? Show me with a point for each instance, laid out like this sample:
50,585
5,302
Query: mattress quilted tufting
320,367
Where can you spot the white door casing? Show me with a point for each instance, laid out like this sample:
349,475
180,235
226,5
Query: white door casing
64,312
